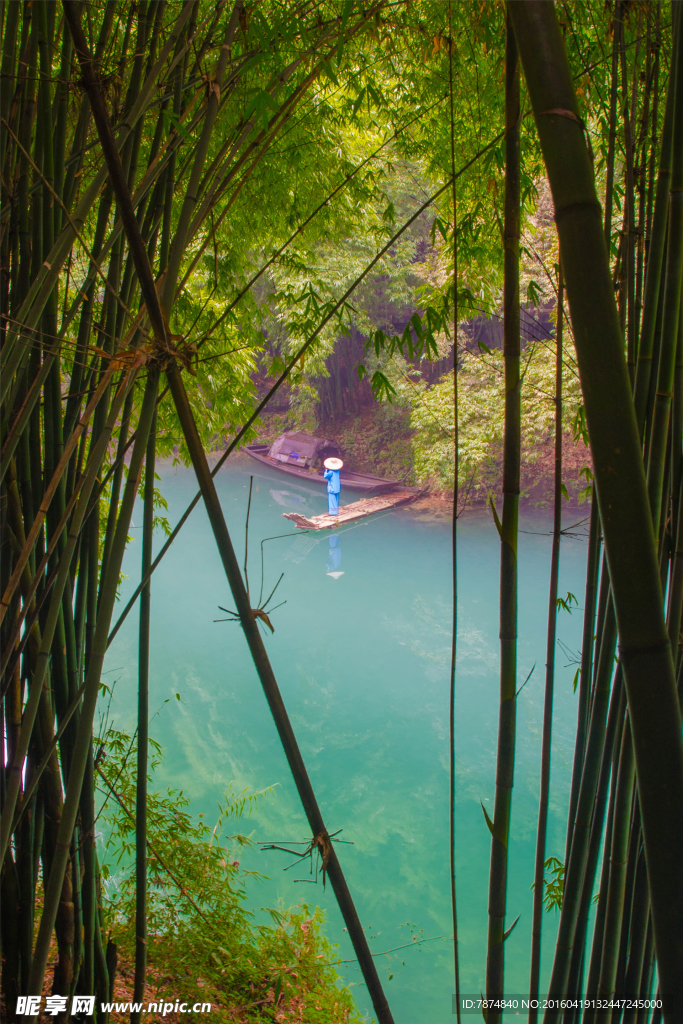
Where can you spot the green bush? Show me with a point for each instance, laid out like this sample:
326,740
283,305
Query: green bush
202,941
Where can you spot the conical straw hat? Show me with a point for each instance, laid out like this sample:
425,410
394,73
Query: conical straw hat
333,463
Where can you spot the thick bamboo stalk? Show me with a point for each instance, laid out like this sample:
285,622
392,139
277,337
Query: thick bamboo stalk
454,535
622,492
551,640
505,760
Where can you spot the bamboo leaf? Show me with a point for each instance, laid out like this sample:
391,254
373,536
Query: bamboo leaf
346,10
357,104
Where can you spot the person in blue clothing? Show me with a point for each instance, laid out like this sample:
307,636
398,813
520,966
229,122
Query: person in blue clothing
333,477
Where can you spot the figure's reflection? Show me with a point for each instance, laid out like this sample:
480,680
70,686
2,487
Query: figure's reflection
334,558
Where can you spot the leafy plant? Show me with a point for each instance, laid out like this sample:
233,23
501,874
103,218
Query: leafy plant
553,887
201,937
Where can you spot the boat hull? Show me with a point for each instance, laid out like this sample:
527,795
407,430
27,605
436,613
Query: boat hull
364,483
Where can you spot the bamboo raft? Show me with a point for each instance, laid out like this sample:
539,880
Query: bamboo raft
357,510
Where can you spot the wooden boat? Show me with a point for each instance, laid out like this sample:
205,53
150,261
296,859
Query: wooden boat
357,510
302,456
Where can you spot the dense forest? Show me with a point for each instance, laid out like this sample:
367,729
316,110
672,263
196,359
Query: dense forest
449,233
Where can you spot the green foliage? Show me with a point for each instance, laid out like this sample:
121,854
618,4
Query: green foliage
565,603
202,939
480,417
159,522
553,887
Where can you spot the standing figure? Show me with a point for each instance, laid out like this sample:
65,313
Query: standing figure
333,477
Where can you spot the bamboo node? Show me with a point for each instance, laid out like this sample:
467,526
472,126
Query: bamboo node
212,88
125,359
629,653
324,845
186,355
562,112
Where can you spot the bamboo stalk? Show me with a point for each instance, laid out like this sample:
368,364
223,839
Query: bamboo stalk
505,760
583,834
143,733
31,708
612,733
613,96
13,354
454,534
585,668
614,903
622,491
551,640
656,251
51,490
82,744
672,301
629,202
638,936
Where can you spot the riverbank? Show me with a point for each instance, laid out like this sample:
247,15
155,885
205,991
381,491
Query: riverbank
381,441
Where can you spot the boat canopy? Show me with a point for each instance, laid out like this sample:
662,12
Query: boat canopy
303,450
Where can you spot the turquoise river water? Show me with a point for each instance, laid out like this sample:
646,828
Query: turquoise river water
361,651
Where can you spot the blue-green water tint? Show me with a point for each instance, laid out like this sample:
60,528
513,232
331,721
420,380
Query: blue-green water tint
362,660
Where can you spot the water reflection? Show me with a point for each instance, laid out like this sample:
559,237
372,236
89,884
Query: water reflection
333,563
287,498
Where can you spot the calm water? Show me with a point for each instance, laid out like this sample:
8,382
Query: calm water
361,651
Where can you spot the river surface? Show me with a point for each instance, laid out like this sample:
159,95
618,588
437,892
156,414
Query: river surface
361,651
